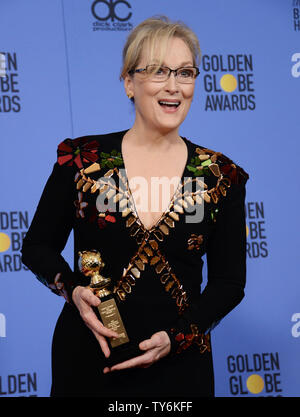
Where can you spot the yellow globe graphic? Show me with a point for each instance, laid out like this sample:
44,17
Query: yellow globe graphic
4,242
255,384
247,230
228,83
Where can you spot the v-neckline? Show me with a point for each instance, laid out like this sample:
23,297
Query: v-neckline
163,214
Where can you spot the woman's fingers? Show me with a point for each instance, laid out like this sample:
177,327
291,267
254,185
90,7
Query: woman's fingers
156,348
102,342
90,318
89,297
149,343
158,340
144,361
85,300
84,295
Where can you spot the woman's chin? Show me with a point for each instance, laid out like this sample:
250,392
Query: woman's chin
167,125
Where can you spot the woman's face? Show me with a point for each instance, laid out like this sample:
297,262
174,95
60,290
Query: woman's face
149,94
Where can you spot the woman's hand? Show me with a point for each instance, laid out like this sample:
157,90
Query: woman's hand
84,299
155,348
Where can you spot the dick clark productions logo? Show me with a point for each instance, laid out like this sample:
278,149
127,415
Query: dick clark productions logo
111,10
111,15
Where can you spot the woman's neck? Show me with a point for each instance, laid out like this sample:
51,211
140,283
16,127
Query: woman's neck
148,138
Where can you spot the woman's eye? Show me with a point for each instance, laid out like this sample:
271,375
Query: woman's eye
186,73
160,71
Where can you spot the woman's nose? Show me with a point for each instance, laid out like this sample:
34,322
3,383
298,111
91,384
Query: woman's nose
171,84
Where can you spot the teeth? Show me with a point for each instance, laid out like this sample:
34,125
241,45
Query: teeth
168,103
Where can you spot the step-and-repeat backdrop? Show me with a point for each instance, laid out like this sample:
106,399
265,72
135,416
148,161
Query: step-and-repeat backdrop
59,77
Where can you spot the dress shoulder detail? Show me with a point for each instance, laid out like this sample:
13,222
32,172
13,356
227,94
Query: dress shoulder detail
90,153
207,162
79,151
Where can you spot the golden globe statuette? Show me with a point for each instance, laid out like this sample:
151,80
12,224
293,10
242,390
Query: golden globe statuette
90,263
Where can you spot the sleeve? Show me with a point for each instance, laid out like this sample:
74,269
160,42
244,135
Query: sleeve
226,268
49,232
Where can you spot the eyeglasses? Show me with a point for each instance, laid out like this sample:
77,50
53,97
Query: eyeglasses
185,75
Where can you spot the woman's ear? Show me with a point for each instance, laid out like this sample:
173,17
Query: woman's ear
128,85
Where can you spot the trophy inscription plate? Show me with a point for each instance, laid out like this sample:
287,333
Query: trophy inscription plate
111,319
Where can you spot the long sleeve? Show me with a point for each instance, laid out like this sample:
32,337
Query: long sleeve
226,265
49,232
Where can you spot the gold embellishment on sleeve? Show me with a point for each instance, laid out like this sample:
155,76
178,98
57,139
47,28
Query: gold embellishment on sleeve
195,337
194,242
58,287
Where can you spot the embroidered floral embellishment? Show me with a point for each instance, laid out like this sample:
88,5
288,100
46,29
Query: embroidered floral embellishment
58,287
186,340
203,163
111,160
102,213
213,214
235,173
194,242
80,205
77,151
232,172
104,218
207,162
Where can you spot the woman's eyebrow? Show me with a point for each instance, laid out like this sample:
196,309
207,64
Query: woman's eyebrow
186,63
182,64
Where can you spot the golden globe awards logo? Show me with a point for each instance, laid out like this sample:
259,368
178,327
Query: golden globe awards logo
254,374
19,385
256,245
13,227
228,82
111,15
9,84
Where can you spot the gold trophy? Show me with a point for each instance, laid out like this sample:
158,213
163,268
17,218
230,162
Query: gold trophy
90,263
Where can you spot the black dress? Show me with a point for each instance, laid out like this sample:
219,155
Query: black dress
156,273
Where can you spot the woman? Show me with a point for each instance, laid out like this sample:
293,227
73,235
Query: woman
152,254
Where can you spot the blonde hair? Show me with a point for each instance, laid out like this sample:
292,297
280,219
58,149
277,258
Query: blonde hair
156,31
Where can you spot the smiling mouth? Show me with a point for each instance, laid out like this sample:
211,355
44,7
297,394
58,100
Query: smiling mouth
166,103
